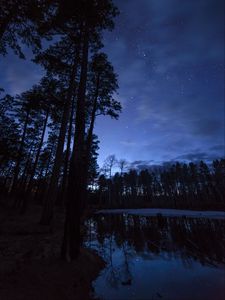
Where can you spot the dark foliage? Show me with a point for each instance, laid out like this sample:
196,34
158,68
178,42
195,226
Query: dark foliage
193,185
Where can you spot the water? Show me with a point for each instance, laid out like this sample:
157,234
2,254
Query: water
150,258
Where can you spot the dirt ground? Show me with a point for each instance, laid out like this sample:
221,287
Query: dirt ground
30,268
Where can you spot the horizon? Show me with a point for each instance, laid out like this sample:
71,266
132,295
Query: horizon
140,165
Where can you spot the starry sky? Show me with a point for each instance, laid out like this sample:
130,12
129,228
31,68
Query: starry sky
169,55
170,59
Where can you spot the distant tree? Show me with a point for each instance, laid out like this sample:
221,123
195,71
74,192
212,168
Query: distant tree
145,181
132,180
109,163
122,164
102,189
179,185
218,179
117,188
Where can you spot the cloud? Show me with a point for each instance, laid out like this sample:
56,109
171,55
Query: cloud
207,127
141,164
197,156
218,148
128,143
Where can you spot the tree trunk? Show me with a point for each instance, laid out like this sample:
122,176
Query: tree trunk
22,183
40,189
19,157
31,180
40,176
89,139
66,165
47,214
76,179
91,128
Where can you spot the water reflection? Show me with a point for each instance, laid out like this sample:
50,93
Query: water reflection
148,257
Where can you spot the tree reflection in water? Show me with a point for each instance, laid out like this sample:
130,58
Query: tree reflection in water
167,238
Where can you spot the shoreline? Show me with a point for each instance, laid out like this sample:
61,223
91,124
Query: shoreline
166,212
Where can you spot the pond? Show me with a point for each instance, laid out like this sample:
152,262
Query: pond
150,258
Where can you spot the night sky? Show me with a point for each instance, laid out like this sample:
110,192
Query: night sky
169,56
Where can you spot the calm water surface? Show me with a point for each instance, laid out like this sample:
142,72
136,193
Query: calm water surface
150,258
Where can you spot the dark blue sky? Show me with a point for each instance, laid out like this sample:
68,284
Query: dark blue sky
170,59
169,55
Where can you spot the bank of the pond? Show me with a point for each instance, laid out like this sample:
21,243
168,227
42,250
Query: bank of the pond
29,262
166,212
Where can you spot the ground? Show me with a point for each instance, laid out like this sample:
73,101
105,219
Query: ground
30,267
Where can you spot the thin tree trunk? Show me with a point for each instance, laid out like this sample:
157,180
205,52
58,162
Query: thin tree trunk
47,214
89,141
93,114
46,172
40,176
90,132
22,183
66,165
31,180
19,157
24,176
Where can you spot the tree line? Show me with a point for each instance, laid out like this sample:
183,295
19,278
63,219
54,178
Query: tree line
179,185
48,149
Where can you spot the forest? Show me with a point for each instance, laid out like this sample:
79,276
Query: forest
175,185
